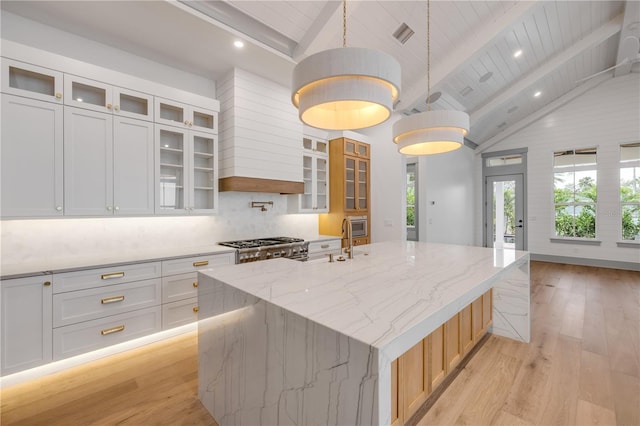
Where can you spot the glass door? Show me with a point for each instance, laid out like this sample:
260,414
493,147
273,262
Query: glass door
505,227
412,192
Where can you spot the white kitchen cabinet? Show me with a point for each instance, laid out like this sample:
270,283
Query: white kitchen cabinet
31,158
322,249
186,170
315,163
31,81
26,339
108,164
102,97
179,313
184,116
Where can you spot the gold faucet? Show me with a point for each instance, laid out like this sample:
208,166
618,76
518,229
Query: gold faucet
349,236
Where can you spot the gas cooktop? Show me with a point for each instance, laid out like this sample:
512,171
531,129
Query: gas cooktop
260,242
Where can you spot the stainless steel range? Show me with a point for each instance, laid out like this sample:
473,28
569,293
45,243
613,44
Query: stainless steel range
268,248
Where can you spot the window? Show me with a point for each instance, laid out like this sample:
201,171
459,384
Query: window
575,192
630,190
506,160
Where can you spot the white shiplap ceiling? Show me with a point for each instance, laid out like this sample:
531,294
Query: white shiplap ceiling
562,42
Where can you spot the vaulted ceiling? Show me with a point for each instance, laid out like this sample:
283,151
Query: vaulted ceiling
566,45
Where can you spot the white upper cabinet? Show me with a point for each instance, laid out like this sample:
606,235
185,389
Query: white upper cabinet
185,116
31,81
315,166
31,158
186,167
97,96
108,164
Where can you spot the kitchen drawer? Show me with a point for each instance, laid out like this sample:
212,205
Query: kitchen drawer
84,305
193,264
330,246
179,287
179,313
91,335
81,280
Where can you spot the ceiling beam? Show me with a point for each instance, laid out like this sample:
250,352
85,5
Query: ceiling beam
596,37
317,28
475,43
628,45
568,97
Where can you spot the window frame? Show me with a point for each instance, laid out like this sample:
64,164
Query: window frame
574,169
621,165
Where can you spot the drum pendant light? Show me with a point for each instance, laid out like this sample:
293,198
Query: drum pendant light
347,88
430,132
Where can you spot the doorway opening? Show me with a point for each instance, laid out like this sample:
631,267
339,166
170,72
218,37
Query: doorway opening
412,201
504,196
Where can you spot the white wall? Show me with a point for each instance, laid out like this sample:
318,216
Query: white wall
604,116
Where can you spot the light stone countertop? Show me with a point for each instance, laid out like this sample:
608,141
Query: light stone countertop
389,291
61,262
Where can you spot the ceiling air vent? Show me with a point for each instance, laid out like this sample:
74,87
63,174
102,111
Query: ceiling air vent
403,33
502,125
486,77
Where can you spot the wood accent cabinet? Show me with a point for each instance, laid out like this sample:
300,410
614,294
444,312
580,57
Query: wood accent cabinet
349,186
419,371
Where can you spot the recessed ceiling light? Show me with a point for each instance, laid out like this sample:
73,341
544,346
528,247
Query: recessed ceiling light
239,44
537,94
486,77
517,53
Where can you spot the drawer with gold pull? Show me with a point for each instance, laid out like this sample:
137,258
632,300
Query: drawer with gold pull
179,287
83,305
102,277
179,313
87,336
195,263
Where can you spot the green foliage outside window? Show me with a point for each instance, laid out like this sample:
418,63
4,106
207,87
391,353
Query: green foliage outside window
576,208
411,210
630,200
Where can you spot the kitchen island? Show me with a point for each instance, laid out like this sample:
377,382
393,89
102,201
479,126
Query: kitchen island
286,342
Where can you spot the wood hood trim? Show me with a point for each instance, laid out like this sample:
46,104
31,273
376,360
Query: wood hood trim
247,184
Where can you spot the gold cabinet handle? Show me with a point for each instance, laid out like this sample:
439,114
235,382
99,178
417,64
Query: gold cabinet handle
109,106
195,284
112,299
195,309
47,283
186,122
324,246
201,263
112,275
112,330
116,107
58,95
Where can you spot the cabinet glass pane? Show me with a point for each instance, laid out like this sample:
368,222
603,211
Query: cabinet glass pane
172,113
171,170
307,143
306,200
88,94
133,104
349,147
202,119
362,185
350,184
31,81
321,147
362,150
203,176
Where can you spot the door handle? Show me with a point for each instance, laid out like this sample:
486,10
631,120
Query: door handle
519,226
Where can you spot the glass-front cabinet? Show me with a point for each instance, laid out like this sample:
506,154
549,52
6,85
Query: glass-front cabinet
31,81
181,115
355,148
315,166
186,171
355,184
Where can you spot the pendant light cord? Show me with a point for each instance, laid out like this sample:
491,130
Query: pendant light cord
428,56
344,23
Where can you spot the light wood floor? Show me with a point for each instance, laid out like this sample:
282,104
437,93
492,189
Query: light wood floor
582,367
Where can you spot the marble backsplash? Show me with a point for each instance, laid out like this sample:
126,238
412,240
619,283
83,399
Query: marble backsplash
26,240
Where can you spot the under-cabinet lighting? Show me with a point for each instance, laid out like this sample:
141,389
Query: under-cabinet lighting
517,53
239,44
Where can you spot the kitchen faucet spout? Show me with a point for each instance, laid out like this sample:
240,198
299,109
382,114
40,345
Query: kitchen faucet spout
349,235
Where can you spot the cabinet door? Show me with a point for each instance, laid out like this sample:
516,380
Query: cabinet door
396,397
87,94
26,323
133,167
170,169
31,81
31,155
171,113
437,355
88,162
350,183
307,198
320,184
414,378
476,314
203,120
487,309
466,329
202,172
355,148
362,192
128,103
453,342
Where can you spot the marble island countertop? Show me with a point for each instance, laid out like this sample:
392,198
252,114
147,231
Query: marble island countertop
384,292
